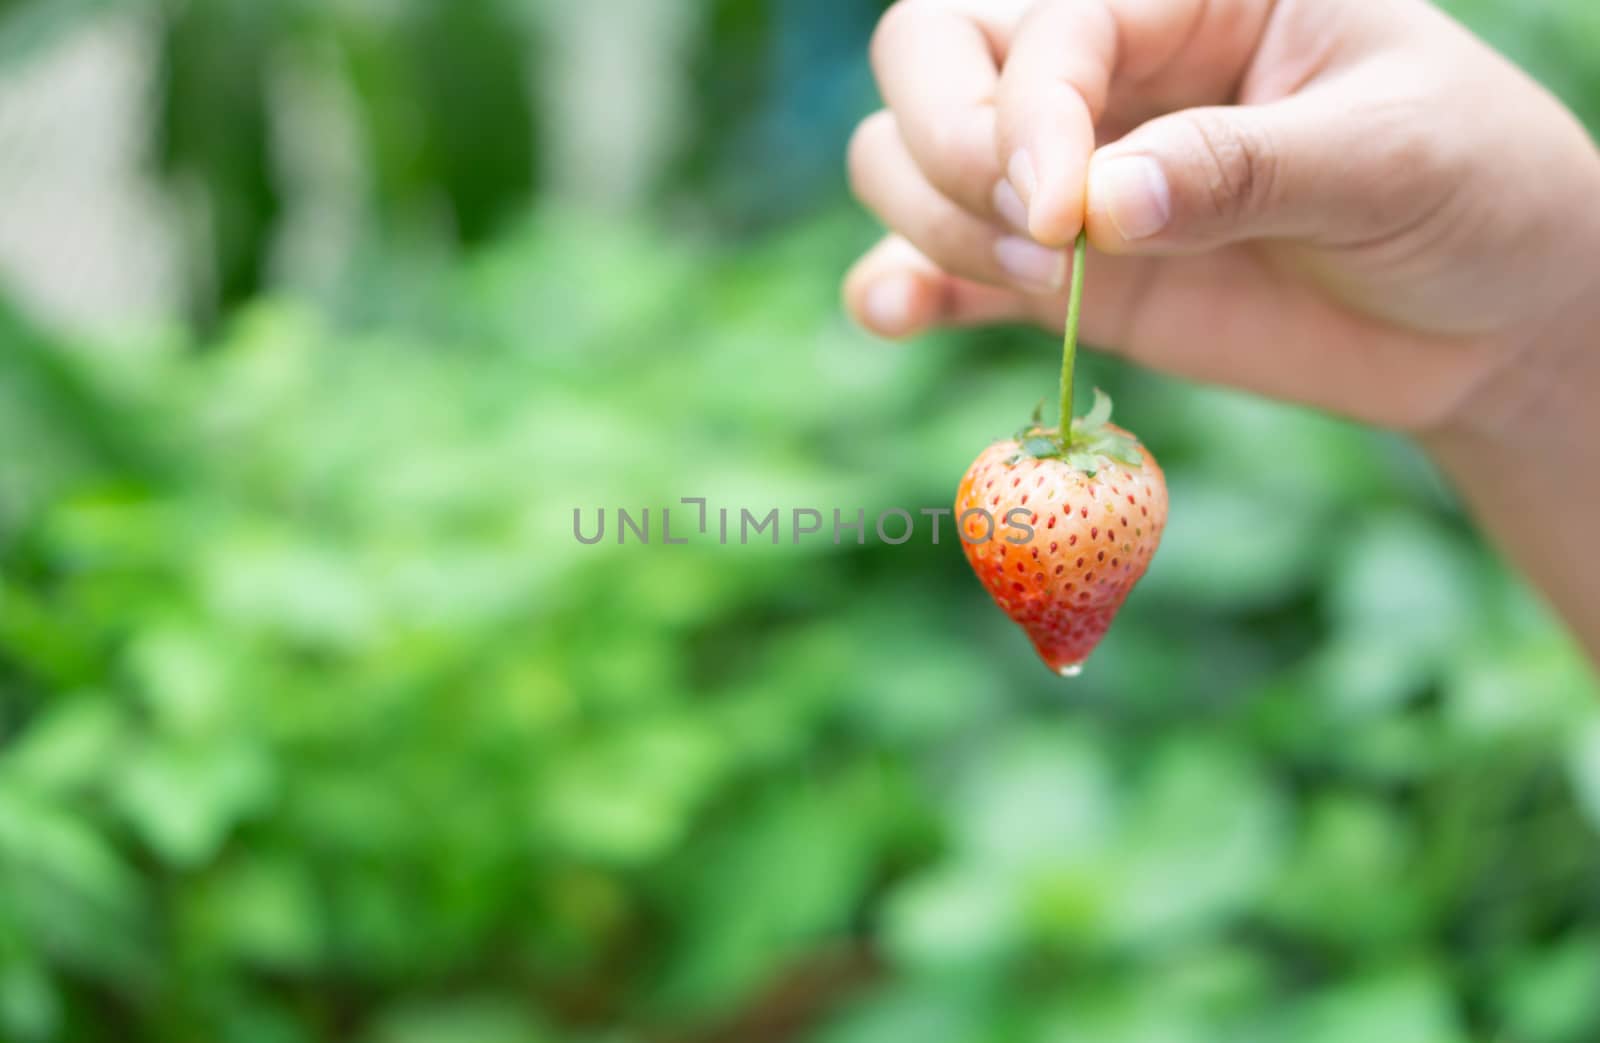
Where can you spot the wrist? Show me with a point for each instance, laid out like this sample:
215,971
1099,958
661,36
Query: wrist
1540,505
1524,455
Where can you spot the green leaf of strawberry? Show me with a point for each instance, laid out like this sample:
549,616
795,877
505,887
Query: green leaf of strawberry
1041,447
1092,442
1099,414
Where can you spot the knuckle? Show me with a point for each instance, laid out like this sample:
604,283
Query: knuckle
1407,164
1240,166
957,156
949,244
866,145
948,163
894,26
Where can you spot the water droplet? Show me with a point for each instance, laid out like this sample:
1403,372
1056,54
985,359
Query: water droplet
1071,670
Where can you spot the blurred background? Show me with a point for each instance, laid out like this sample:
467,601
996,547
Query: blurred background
320,317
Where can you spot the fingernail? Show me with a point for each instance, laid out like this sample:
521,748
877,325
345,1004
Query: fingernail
1134,194
1020,172
1009,206
1033,265
888,304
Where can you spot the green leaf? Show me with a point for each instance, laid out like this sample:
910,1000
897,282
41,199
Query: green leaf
1124,451
184,799
483,1018
263,911
30,1003
928,1010
959,916
1583,765
1224,552
1549,994
1099,413
72,744
1413,1005
1042,448
1205,834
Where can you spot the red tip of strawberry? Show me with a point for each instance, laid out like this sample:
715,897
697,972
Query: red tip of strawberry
1060,536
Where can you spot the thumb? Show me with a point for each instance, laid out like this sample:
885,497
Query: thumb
1205,177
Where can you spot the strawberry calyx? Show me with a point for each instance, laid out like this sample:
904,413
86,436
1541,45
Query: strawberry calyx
1090,441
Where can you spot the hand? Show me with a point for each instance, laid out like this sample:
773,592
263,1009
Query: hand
1348,204
1353,205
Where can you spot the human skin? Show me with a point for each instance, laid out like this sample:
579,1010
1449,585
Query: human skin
1351,205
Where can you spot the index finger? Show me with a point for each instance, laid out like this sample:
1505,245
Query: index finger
937,67
1053,92
1074,64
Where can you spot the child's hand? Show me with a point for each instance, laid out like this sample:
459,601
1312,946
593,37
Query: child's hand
1351,204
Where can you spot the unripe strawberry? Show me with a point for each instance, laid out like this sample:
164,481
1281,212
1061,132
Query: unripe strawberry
1059,536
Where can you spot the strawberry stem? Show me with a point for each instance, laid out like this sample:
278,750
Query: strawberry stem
1069,344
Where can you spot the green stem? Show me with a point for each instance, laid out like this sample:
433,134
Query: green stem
1069,344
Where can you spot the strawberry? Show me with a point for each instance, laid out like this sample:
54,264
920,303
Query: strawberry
1059,537
1060,524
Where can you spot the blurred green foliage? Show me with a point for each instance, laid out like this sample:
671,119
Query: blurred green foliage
316,722
320,724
